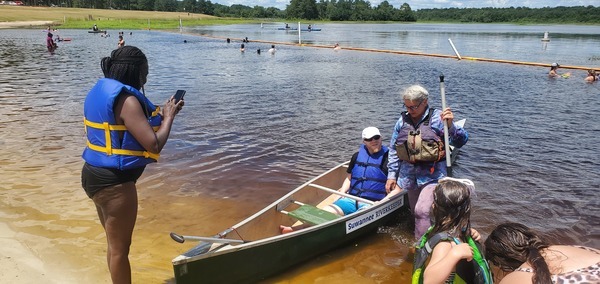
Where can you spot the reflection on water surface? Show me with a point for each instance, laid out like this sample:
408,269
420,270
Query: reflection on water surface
256,126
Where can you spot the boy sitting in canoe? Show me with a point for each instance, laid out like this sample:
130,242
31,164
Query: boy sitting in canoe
367,175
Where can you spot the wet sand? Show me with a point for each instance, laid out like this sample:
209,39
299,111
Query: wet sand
24,24
18,264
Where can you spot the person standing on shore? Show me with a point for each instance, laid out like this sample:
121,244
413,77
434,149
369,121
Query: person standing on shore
125,132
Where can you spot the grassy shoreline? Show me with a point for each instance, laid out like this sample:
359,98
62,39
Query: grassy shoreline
79,18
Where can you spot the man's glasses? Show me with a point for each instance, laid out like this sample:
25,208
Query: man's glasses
376,137
413,107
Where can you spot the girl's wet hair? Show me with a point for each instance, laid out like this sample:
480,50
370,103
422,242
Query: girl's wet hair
512,244
451,210
127,65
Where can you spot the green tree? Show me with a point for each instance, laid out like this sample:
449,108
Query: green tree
165,5
302,9
189,6
406,14
145,5
204,7
384,11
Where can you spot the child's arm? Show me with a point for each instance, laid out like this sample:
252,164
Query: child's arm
444,258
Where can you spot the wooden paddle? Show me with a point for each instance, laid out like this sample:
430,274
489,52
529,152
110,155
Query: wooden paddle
446,139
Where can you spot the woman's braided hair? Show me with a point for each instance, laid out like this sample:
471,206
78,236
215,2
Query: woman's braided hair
512,244
127,65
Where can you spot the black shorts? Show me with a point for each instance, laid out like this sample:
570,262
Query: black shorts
94,179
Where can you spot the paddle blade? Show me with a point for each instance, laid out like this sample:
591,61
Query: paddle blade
177,238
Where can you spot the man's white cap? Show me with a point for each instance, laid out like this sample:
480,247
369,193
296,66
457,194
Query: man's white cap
369,132
555,64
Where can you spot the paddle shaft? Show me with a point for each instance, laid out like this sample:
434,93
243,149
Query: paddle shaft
182,239
446,137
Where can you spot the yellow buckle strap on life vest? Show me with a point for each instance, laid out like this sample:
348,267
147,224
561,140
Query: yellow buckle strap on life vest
144,154
108,149
156,111
102,125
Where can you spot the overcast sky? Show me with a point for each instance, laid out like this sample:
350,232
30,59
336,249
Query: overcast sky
425,4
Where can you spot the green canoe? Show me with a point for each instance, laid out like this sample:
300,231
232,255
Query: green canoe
255,249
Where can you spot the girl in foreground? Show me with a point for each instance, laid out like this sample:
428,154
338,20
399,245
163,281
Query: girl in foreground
125,132
528,258
454,257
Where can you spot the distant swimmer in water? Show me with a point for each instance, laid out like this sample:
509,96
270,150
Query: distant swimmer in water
121,42
554,72
272,49
336,47
228,40
242,48
50,44
592,76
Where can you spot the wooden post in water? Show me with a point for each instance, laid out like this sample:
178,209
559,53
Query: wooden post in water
299,34
453,47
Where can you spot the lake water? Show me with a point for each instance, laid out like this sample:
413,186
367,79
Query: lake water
255,126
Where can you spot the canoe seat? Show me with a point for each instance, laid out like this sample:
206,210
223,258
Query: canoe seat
312,215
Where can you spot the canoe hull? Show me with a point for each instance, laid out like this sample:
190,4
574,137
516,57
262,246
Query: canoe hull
258,259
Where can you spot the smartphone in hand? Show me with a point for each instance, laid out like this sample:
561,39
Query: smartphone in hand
179,95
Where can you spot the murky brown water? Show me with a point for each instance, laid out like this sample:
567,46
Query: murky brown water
255,127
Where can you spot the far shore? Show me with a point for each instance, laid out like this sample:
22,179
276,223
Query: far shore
24,24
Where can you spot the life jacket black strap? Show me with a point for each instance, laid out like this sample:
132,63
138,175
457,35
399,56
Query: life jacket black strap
426,121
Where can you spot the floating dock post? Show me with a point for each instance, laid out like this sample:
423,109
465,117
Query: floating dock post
299,34
546,38
455,51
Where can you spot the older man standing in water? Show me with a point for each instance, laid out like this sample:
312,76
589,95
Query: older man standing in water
416,153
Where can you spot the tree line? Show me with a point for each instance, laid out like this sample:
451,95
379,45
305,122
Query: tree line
346,10
577,14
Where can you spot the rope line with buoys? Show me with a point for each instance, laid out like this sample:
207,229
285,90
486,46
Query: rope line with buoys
409,53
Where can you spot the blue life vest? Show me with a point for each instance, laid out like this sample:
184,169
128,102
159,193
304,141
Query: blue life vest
368,179
110,145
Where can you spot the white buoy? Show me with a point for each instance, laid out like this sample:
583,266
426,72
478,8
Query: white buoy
546,38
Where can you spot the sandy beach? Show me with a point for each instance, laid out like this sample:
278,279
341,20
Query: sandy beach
18,264
23,24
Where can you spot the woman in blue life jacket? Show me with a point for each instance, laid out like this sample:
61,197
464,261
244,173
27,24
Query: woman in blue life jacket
453,255
125,132
367,175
